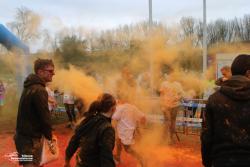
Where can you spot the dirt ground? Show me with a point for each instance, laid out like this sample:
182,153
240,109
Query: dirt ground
186,153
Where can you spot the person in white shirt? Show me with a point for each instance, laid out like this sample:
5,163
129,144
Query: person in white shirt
51,99
128,117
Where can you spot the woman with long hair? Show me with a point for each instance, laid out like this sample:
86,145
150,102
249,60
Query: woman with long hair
95,136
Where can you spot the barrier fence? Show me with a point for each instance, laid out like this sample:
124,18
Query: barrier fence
189,117
188,121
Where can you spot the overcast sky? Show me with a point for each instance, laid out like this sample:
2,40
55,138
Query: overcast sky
106,14
103,14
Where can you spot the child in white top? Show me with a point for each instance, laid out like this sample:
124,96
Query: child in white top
128,117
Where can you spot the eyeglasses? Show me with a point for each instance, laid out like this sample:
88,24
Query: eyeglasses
50,71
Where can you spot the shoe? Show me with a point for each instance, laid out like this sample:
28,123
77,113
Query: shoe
68,125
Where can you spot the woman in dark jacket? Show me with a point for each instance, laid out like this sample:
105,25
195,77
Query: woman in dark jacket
95,136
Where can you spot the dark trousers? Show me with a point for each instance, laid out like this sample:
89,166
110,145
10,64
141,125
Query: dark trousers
70,109
28,146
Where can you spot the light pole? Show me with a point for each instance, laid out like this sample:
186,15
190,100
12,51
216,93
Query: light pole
204,37
150,23
150,19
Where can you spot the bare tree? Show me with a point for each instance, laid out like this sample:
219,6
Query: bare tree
26,24
191,29
246,25
199,33
221,30
188,26
242,28
231,32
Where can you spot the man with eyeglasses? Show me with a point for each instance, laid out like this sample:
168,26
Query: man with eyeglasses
33,119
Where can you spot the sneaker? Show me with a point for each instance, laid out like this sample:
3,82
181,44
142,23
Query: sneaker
68,125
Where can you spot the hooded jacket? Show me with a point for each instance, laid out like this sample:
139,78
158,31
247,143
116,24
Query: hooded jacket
225,138
33,118
95,138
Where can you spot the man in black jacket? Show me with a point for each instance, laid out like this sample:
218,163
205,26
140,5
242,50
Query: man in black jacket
225,139
33,118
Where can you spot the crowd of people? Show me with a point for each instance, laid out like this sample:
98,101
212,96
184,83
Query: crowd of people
225,133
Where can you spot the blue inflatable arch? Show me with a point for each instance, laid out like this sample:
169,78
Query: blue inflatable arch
10,41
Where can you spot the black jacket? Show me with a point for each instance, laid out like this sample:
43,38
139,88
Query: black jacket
96,139
33,118
225,135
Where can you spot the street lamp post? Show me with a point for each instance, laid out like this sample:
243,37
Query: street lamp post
204,37
150,18
150,23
